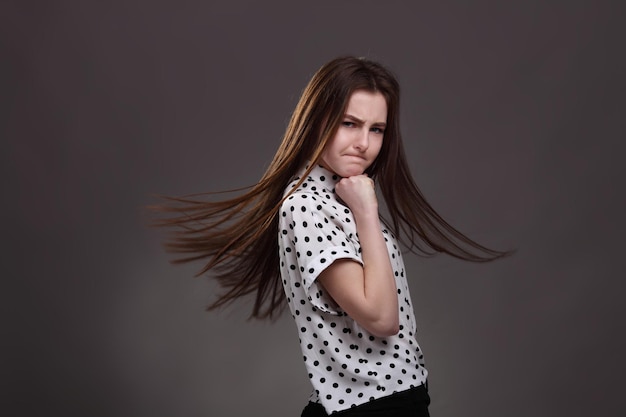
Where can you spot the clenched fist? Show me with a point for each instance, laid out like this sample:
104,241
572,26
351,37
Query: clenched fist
358,193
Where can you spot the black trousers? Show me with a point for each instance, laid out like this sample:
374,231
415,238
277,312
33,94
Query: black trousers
410,403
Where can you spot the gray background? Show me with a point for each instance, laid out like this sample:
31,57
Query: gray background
513,118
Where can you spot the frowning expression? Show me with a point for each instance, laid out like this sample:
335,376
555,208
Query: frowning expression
359,137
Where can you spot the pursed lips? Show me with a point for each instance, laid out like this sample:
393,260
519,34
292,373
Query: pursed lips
355,156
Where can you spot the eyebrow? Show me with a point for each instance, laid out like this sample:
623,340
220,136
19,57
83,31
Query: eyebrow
356,119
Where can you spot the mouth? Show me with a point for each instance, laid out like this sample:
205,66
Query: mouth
355,156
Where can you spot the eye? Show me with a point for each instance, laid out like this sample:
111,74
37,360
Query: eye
378,130
347,123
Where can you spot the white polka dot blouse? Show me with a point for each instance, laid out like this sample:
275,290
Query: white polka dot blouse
346,365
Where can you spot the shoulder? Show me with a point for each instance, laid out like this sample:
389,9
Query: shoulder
302,201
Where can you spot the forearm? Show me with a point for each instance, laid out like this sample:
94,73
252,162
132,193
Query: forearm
380,295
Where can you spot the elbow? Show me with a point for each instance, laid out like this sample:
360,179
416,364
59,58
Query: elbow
385,328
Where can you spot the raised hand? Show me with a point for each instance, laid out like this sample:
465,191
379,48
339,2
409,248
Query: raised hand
358,192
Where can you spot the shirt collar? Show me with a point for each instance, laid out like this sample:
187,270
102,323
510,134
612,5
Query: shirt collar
321,175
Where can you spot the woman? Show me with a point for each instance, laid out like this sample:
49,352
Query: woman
335,263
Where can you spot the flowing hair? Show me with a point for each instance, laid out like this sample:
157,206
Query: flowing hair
237,238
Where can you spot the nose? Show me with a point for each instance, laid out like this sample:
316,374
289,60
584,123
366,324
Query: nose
362,140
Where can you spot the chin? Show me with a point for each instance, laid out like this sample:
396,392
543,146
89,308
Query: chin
345,170
351,172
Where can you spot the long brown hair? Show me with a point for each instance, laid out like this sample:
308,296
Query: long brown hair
237,237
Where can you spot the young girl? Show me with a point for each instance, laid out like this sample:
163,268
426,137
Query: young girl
309,235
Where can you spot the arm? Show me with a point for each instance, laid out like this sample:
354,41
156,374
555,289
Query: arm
367,293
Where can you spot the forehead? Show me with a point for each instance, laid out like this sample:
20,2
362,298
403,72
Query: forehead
368,106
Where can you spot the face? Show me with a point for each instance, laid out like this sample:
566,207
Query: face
359,137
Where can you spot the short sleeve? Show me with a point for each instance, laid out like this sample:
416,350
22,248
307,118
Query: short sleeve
317,235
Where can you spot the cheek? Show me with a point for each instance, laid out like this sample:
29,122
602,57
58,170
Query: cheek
376,149
328,153
336,146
